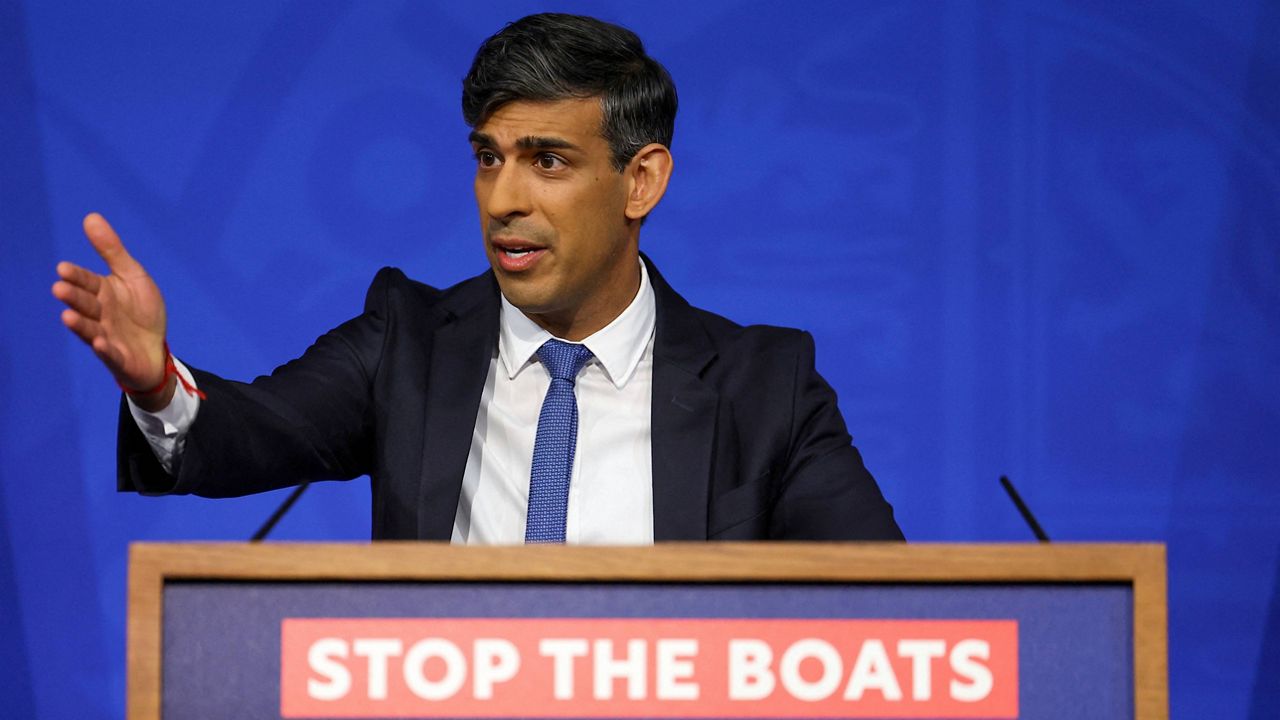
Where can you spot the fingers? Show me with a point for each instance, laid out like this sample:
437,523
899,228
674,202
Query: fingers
89,280
108,245
84,328
78,299
110,355
90,331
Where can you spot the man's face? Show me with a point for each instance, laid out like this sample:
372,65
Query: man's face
552,211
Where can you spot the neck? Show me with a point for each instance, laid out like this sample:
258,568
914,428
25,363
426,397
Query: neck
581,322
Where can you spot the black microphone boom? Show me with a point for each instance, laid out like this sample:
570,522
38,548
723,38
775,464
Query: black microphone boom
1022,508
279,513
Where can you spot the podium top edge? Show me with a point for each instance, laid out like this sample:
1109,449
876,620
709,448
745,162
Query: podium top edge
674,562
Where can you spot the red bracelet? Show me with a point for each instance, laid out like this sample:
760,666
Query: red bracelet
169,369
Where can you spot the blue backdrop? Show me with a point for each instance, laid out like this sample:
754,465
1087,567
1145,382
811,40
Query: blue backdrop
1034,238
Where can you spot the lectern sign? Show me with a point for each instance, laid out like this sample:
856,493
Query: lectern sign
607,667
698,630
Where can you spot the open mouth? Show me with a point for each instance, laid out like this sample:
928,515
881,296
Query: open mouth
516,256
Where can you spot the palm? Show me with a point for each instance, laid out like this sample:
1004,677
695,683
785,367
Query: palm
133,320
120,315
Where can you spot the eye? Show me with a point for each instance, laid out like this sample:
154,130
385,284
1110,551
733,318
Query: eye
548,161
486,158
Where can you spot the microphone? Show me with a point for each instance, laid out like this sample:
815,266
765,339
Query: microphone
279,513
1024,510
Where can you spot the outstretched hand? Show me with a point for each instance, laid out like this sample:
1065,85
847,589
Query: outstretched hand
120,316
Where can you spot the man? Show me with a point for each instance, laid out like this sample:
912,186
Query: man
568,395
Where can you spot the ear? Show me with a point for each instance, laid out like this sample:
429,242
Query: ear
647,176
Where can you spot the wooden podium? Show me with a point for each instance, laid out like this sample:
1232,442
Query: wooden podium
712,630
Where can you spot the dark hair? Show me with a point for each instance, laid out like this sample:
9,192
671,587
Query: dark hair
553,56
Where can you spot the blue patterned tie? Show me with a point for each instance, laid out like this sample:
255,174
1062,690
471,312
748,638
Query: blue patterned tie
554,445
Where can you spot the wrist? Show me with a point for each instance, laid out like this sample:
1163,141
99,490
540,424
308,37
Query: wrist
154,399
158,397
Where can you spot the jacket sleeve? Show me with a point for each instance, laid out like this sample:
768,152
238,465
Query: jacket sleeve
826,492
310,419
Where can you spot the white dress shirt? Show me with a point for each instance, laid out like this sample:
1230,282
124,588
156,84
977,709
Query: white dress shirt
611,486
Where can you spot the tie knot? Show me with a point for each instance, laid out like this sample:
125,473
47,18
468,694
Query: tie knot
563,360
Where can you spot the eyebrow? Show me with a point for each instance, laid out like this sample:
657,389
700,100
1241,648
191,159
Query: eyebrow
528,142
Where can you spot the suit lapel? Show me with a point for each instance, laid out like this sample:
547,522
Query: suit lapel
683,418
461,352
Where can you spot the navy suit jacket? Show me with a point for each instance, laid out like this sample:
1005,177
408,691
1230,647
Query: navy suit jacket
747,440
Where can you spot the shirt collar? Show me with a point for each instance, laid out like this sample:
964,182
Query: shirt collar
618,346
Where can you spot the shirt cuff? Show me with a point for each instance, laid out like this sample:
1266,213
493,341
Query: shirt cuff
166,429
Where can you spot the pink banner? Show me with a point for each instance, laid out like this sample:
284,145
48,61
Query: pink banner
497,668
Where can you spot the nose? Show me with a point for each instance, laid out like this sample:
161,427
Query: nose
504,194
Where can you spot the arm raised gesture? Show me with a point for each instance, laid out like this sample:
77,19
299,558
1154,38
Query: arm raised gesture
120,315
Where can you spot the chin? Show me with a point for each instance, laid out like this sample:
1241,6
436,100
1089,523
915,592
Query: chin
524,295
